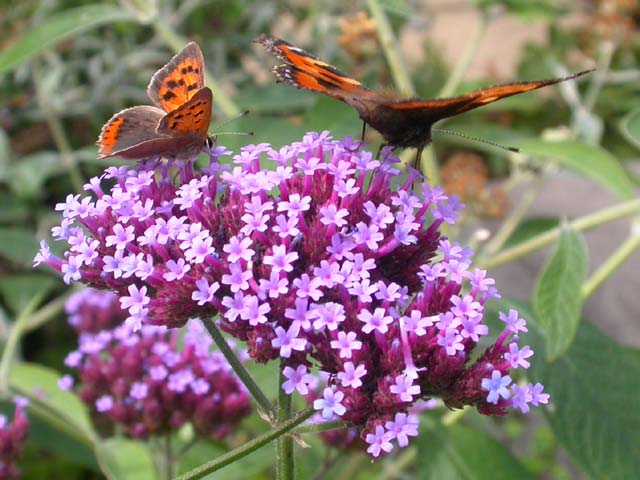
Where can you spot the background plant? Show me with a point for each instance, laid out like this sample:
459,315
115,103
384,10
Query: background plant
67,66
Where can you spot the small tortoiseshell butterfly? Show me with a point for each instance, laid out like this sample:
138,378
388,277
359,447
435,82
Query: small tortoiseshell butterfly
177,126
402,123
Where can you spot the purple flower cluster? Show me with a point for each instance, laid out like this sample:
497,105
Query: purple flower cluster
317,254
12,437
144,382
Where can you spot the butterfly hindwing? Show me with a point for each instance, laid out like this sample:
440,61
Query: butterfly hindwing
129,128
179,80
191,119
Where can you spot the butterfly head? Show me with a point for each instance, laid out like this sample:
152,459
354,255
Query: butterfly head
210,142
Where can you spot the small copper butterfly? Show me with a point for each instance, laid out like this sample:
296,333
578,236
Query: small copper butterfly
177,126
402,122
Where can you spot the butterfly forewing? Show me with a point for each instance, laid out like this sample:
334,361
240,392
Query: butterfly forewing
179,80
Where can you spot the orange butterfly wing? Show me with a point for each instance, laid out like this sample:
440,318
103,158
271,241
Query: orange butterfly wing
190,119
303,70
179,80
475,98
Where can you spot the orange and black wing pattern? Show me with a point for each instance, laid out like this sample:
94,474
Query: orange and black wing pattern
303,70
179,80
190,119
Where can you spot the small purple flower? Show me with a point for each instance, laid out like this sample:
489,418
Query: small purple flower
104,403
298,379
351,375
379,442
518,357
377,321
497,386
330,403
402,427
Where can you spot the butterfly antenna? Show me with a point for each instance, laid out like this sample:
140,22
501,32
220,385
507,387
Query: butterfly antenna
476,139
227,122
235,133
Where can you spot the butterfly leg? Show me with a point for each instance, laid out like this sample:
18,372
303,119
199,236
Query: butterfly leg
416,162
364,128
382,145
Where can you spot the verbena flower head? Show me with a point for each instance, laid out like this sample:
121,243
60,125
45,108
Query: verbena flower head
318,254
152,381
12,437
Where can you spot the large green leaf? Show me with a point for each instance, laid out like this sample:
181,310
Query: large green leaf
63,410
459,452
19,290
122,459
594,399
557,296
589,160
58,27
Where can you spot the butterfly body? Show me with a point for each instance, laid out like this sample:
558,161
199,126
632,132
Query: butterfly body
402,123
176,126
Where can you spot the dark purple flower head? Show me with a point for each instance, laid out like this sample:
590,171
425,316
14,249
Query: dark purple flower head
316,254
148,384
12,437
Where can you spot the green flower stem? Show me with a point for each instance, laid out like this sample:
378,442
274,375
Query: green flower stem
17,330
48,312
248,447
389,46
512,221
616,259
465,59
239,370
176,43
57,131
284,444
320,427
624,209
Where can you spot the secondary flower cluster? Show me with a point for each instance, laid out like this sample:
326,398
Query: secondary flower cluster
318,254
12,437
152,381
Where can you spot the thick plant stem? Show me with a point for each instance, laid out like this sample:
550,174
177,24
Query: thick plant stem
239,370
624,209
613,262
284,444
389,46
248,447
176,42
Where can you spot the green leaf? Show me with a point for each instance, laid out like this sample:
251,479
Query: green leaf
58,27
530,228
558,296
62,409
589,160
18,246
594,399
122,459
27,177
18,290
630,127
459,452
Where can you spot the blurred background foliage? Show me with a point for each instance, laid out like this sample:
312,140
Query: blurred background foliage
67,65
